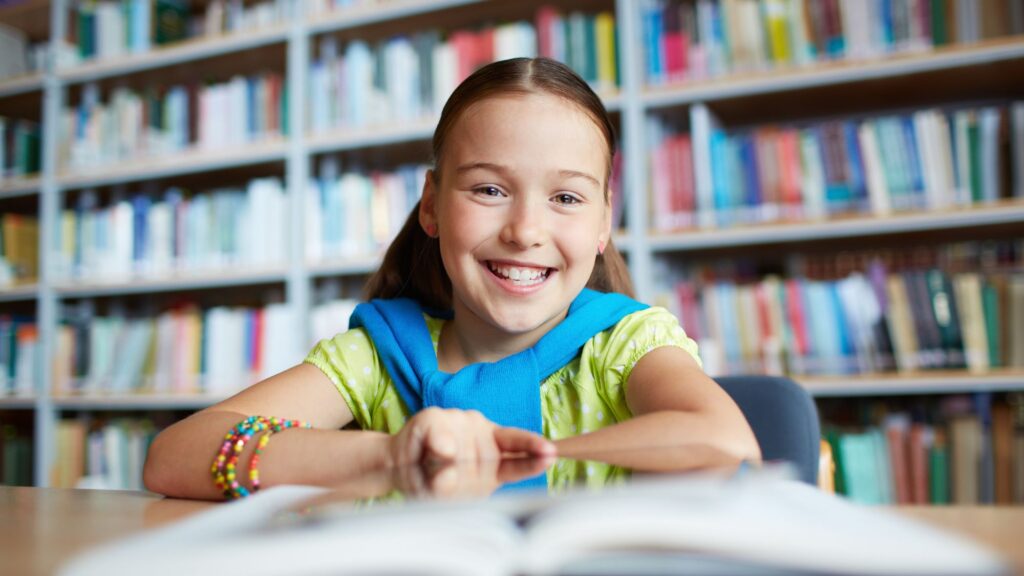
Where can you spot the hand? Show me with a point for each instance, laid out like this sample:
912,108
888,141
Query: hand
466,479
437,435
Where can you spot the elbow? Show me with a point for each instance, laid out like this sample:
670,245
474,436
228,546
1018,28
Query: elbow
156,473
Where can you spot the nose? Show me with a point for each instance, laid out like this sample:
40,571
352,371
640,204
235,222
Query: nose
524,225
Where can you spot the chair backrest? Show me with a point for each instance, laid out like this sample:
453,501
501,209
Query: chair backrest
783,417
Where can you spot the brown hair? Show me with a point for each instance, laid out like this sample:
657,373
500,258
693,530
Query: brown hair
412,265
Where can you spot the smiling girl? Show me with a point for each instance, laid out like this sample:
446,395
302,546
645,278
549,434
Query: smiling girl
500,322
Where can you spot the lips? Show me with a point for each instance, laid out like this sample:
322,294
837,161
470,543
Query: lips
519,274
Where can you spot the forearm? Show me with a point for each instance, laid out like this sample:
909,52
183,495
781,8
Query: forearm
179,460
668,440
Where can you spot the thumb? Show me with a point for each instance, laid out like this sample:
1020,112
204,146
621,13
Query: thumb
519,440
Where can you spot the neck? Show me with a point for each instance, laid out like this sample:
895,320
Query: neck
467,340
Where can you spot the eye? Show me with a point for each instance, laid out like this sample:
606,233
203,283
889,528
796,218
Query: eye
567,199
490,191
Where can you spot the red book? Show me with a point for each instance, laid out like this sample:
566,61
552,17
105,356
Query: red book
257,343
483,53
689,309
687,187
795,315
896,438
464,44
547,17
790,174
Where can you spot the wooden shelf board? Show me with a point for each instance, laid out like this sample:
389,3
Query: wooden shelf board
21,84
15,187
183,52
1007,212
190,162
363,14
17,402
196,281
837,72
19,293
136,402
917,383
370,136
355,266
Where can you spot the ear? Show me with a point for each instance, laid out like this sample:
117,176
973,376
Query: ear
606,224
427,213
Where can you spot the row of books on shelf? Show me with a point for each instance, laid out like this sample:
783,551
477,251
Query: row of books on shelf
877,319
357,213
183,350
931,159
133,124
19,148
971,452
15,455
102,455
112,28
409,77
148,235
19,248
687,40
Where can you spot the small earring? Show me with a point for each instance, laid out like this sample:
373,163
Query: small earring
431,230
600,248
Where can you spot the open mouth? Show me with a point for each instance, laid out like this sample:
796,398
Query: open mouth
519,275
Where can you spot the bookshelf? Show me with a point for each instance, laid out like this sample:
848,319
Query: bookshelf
959,73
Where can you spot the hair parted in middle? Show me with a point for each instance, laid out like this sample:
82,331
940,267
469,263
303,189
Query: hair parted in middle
412,266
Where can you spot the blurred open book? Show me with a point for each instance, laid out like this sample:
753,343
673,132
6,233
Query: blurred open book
710,523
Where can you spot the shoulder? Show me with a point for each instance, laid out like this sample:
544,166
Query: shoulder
638,333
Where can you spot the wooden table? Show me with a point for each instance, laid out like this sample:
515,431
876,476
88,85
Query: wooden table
40,528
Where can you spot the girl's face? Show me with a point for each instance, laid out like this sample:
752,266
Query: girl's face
520,210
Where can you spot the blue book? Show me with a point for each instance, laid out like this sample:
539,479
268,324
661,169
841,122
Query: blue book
653,31
888,34
140,232
751,182
727,305
914,162
843,328
855,168
720,165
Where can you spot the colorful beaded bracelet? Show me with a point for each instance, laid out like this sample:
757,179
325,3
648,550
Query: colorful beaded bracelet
225,462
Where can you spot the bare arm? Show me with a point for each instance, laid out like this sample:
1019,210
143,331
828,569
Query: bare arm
179,460
674,404
178,463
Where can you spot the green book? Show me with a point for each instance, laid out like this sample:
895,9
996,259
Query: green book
170,21
832,436
86,24
589,59
974,153
940,31
990,306
938,472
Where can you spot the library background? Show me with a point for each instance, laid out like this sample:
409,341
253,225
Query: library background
828,189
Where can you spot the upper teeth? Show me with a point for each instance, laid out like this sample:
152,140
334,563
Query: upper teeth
517,274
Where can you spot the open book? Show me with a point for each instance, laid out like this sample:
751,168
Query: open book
703,523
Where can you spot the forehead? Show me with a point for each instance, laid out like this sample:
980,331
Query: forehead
533,131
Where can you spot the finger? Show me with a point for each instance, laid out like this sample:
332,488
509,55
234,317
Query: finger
514,469
440,443
512,440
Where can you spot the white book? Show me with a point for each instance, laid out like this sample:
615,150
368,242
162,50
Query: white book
989,128
928,160
813,185
879,197
663,525
944,160
702,122
445,72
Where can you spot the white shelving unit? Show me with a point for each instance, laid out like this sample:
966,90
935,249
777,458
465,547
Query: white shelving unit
632,103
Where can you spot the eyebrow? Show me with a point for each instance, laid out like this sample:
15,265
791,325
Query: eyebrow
501,169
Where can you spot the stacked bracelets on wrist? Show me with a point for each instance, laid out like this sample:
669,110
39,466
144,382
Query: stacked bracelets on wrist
225,463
